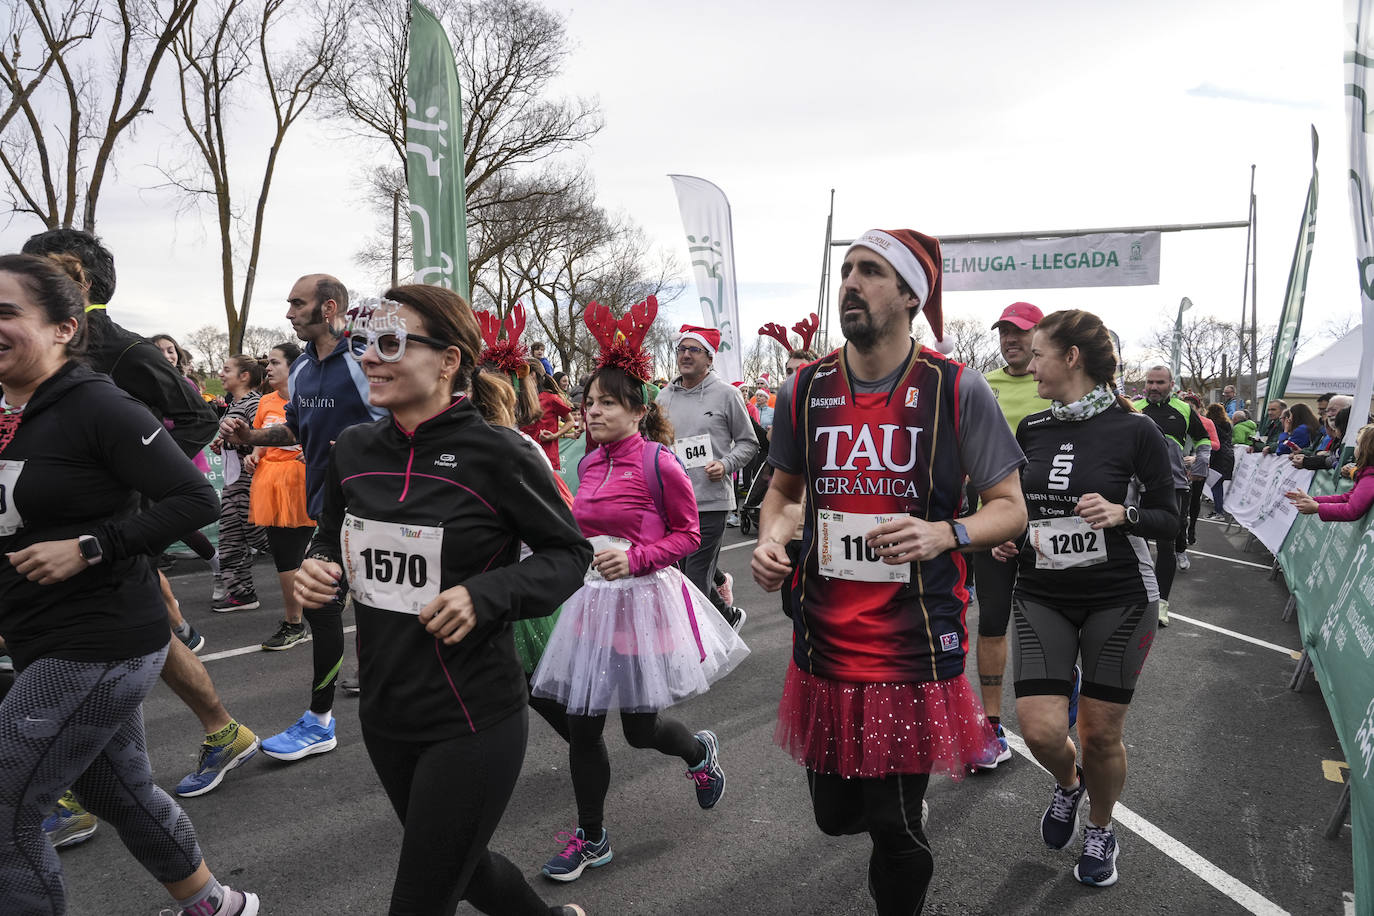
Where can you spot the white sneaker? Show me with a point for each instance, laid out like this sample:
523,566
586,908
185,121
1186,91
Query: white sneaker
1163,612
1182,560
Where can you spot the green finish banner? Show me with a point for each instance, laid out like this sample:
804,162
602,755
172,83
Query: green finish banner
1286,340
1329,567
434,157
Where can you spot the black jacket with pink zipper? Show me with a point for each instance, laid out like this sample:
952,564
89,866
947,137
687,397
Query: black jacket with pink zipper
465,493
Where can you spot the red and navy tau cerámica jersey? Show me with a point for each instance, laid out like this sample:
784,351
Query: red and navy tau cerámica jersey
902,444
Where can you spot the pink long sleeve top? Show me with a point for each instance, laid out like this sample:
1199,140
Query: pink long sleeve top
1351,505
613,499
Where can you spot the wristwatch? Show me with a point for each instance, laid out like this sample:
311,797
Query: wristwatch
961,540
1132,517
89,545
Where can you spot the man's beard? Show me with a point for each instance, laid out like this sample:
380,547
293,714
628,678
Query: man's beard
860,329
1156,397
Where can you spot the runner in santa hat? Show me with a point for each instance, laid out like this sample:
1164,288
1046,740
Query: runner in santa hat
879,436
714,438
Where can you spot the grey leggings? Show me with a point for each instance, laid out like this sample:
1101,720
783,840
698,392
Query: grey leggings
80,724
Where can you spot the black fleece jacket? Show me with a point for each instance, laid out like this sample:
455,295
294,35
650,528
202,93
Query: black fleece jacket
83,454
468,493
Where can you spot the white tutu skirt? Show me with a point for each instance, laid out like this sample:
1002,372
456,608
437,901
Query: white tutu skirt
638,644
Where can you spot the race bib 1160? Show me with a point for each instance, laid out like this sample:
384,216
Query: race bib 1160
842,553
392,567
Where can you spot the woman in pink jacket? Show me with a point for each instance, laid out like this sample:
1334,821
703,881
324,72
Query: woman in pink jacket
637,637
1351,505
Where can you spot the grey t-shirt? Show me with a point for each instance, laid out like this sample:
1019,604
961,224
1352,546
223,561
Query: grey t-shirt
987,446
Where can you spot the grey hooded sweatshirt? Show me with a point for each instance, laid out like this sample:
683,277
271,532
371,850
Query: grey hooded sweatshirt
716,409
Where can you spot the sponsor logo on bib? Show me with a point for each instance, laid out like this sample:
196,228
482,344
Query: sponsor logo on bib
911,395
828,402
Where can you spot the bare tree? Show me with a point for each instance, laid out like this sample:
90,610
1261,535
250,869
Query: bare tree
975,345
508,53
220,52
764,356
93,71
209,345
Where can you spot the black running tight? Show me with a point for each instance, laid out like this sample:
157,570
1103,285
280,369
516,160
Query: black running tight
450,796
326,626
591,765
889,811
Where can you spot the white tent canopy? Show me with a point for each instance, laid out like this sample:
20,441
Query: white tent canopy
1333,369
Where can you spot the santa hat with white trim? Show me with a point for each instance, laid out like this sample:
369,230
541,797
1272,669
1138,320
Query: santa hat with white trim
917,260
707,337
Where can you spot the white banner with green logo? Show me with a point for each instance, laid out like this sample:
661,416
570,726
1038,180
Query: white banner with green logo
1359,60
434,156
711,249
1099,259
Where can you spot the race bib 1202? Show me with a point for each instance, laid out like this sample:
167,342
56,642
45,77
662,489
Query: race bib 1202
842,553
392,567
694,451
1063,543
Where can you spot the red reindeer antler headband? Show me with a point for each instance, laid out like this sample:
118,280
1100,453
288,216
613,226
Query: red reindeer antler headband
508,353
622,340
806,329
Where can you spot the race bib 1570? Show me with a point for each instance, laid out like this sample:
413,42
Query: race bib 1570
392,567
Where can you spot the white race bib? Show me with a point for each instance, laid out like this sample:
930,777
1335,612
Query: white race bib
10,522
842,553
694,451
602,542
392,567
1063,543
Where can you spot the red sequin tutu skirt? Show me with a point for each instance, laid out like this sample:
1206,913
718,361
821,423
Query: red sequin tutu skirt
871,730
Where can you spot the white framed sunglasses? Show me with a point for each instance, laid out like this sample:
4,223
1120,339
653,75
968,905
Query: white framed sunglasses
384,332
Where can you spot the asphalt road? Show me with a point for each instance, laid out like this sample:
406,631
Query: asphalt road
1223,811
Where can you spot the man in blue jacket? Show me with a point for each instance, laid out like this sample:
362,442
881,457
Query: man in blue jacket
327,393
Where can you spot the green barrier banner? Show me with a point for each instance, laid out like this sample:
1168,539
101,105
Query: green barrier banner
570,452
1329,567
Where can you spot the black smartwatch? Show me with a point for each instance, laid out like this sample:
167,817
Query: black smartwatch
1132,518
961,540
89,545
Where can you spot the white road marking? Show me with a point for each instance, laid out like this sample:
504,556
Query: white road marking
1174,615
1199,553
739,545
1252,900
246,650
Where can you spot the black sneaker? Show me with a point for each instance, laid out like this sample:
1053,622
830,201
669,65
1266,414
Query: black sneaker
708,776
1057,824
735,616
287,635
232,602
1097,864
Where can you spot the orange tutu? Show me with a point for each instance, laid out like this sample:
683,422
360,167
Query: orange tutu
278,495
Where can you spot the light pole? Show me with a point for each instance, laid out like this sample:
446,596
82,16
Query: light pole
1184,304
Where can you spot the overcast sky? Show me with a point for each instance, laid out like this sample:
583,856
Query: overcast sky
976,117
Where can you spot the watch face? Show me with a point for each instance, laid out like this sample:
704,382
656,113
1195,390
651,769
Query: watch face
90,548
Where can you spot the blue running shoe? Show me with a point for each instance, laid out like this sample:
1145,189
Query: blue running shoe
999,752
1097,864
1073,695
708,776
577,855
216,761
1058,822
304,738
69,823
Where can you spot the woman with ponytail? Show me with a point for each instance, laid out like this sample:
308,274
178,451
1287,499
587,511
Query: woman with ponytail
637,637
423,516
1098,484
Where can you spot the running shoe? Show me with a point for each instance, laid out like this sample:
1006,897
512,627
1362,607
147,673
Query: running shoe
735,616
999,752
287,635
232,602
307,736
216,761
217,593
235,903
1073,697
1097,864
577,855
708,776
350,684
193,640
1163,612
6,664
69,823
1182,560
726,590
1057,824
571,909
732,520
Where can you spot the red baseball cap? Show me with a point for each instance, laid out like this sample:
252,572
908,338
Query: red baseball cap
1022,314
